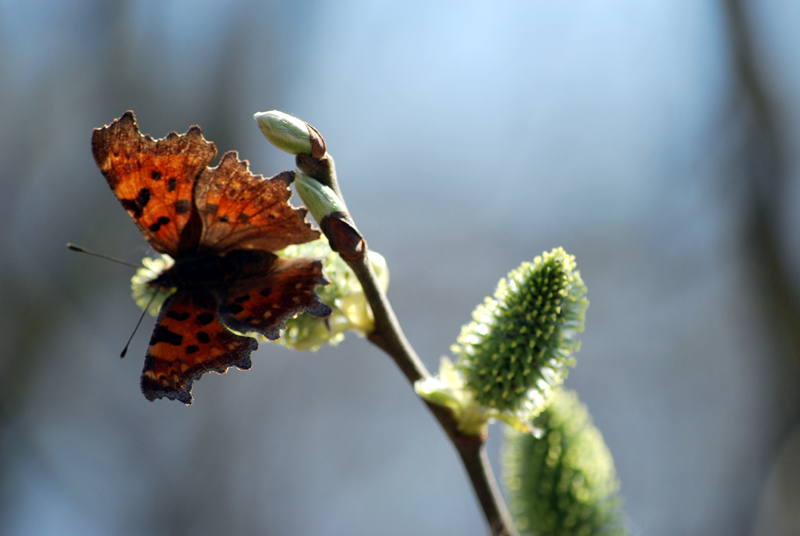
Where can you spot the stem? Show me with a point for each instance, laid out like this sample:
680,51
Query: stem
389,337
473,454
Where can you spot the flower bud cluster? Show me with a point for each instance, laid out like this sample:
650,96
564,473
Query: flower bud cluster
145,296
344,295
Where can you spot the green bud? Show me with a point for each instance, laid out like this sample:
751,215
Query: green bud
519,344
563,482
448,389
307,332
320,199
289,133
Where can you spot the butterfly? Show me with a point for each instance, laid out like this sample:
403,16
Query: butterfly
222,227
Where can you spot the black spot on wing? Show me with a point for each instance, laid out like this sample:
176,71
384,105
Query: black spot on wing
171,184
182,206
192,349
203,337
205,318
235,308
180,317
155,175
163,334
136,206
163,220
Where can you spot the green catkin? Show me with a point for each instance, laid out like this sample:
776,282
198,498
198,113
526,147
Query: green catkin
563,483
532,322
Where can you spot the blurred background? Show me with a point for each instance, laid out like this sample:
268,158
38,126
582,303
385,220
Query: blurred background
656,141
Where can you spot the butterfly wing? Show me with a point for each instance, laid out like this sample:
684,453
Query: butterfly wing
187,342
265,290
154,179
240,210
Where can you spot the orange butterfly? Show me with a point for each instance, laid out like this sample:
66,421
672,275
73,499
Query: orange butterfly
222,226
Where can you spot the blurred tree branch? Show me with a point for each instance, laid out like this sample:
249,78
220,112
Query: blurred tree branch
767,179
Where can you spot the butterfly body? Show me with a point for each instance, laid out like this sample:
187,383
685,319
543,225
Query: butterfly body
221,226
193,271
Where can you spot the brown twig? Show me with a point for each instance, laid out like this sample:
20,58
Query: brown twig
389,337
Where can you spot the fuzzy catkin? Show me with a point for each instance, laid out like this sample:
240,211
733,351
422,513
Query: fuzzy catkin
563,483
519,343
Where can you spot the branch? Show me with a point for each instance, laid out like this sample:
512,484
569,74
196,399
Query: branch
768,177
345,239
389,337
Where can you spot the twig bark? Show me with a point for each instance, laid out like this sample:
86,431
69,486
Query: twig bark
389,337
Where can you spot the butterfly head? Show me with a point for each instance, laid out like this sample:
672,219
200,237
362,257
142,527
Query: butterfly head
145,293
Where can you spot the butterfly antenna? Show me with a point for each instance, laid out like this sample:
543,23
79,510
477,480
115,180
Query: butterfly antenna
139,323
79,249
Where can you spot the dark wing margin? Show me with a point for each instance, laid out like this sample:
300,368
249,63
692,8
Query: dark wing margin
188,341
